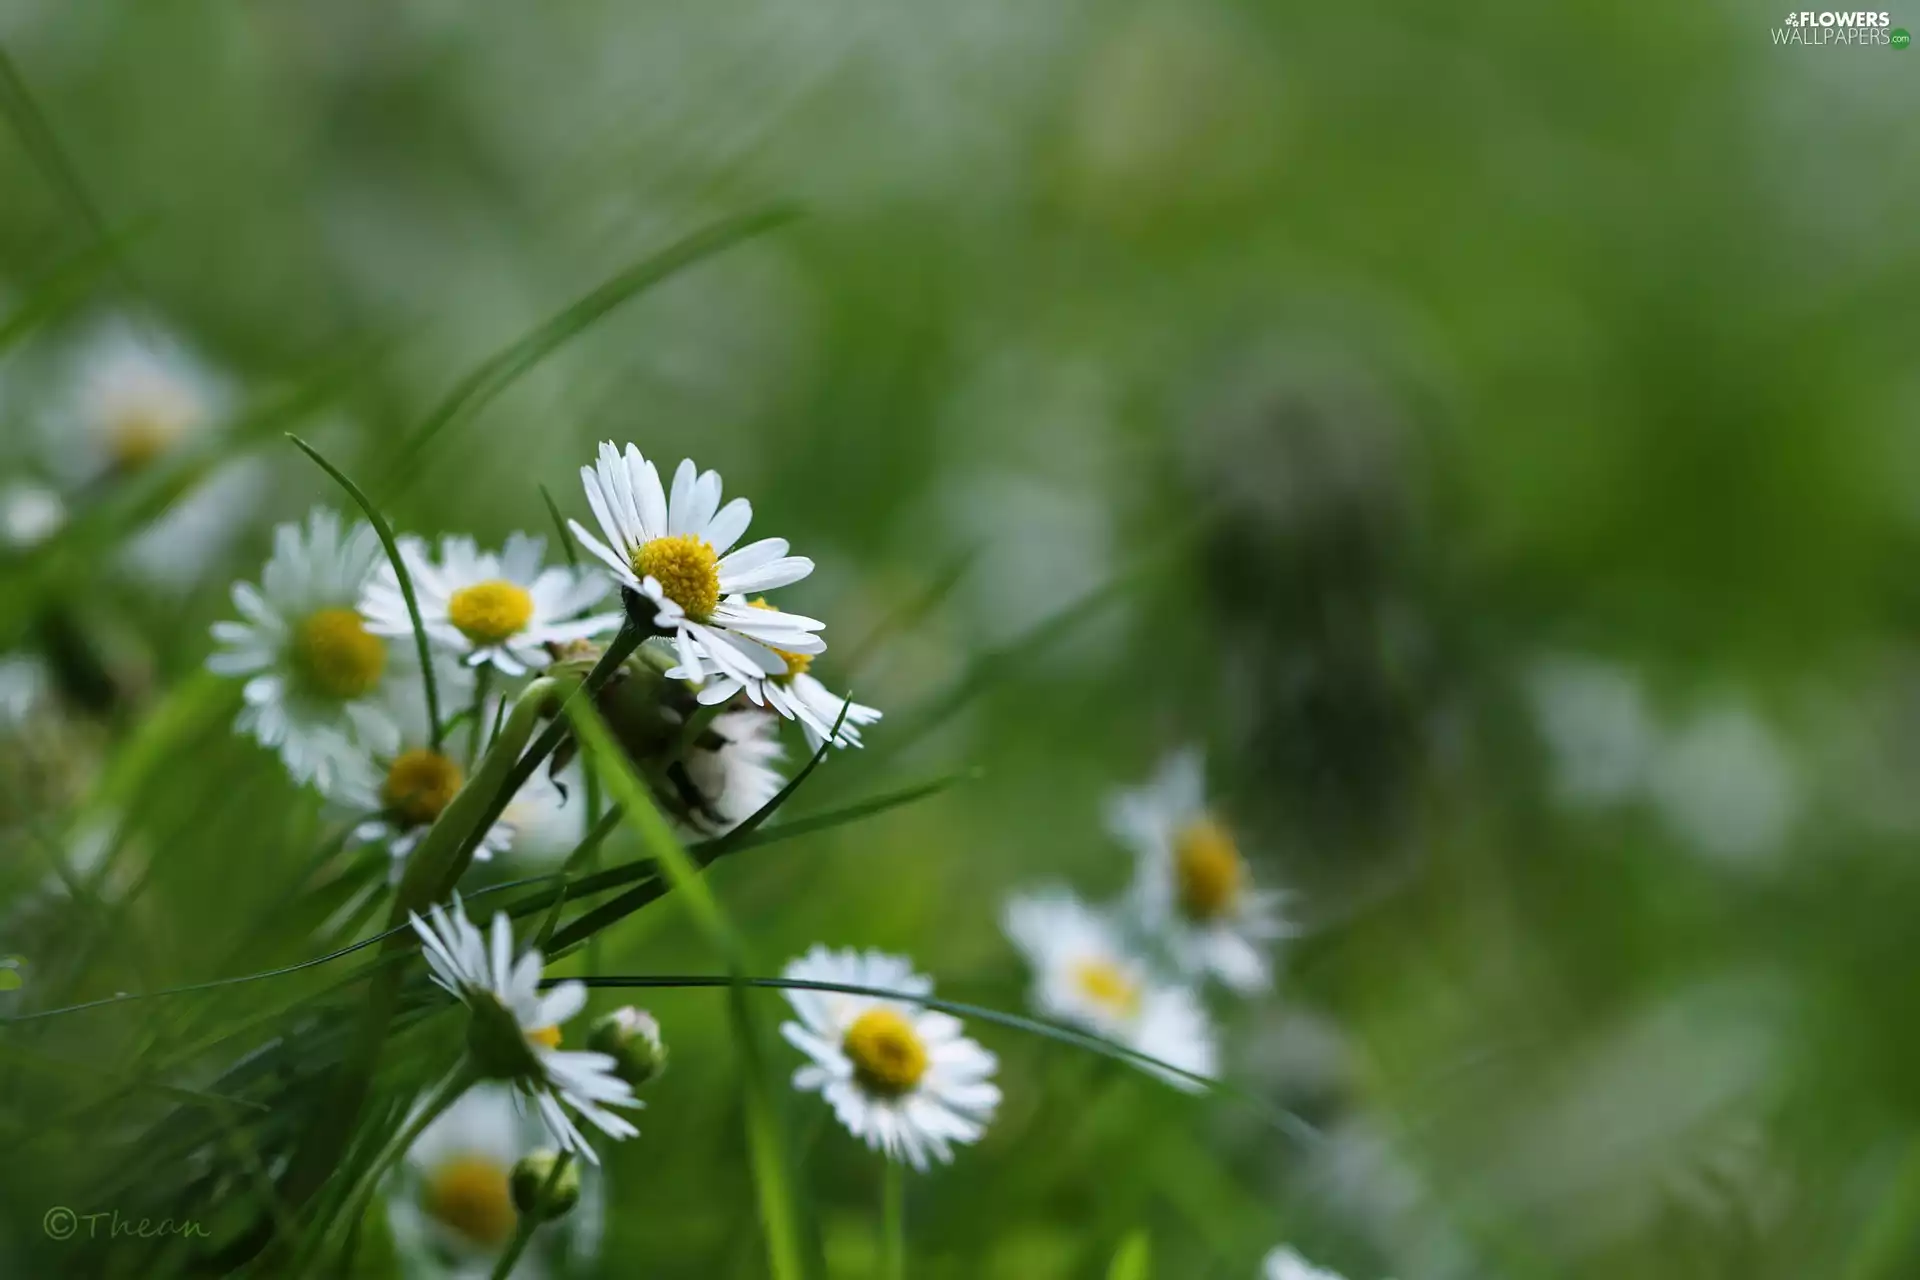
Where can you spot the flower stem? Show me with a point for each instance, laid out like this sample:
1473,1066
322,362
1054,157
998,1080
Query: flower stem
482,685
893,1221
529,1223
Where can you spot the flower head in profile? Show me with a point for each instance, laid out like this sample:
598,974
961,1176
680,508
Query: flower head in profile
731,770
320,686
499,608
135,394
1192,884
796,694
514,1034
678,551
1084,974
901,1078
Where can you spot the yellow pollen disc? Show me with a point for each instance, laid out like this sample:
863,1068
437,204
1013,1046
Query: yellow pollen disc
472,1195
797,663
336,656
137,438
1207,870
489,612
687,570
1103,982
420,785
548,1037
888,1057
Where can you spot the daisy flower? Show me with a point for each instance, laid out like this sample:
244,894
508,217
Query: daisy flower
796,694
677,551
136,394
450,1201
320,686
494,608
902,1079
731,769
1084,974
515,1032
1285,1264
1192,884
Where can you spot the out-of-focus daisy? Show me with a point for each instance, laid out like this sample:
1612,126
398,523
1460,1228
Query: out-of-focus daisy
796,694
1084,973
315,674
515,1031
135,394
678,552
902,1079
1192,884
1285,1264
23,683
449,1201
499,608
731,769
29,515
1594,718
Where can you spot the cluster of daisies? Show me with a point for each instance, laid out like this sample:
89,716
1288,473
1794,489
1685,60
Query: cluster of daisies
326,645
1132,971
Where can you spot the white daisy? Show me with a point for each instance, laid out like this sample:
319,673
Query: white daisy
731,769
795,694
135,394
678,552
1191,884
515,1033
499,608
901,1078
1285,1264
450,1202
1084,974
320,686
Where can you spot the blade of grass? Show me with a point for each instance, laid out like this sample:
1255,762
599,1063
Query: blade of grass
567,548
765,1133
499,371
399,563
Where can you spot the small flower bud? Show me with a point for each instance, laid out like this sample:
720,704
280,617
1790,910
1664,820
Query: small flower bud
538,1192
631,1037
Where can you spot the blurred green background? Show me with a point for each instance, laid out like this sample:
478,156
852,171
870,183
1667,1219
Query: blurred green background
1464,395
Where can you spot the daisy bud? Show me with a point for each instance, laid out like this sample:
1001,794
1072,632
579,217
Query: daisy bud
538,1192
631,1037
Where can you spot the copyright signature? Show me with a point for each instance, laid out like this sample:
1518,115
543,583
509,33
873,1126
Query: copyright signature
62,1223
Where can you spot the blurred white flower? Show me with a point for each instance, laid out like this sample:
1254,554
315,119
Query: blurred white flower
1285,1264
1726,783
23,683
1083,973
1595,722
901,1078
675,551
29,515
499,608
408,791
516,1028
317,678
134,393
731,769
1191,884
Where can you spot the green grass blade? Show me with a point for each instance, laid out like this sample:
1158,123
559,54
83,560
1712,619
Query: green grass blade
398,561
766,1140
500,370
1133,1260
567,548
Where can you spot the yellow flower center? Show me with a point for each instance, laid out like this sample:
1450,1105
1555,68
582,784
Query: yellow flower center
547,1037
1104,983
139,436
472,1195
797,663
489,612
336,656
1207,870
888,1058
420,785
686,569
